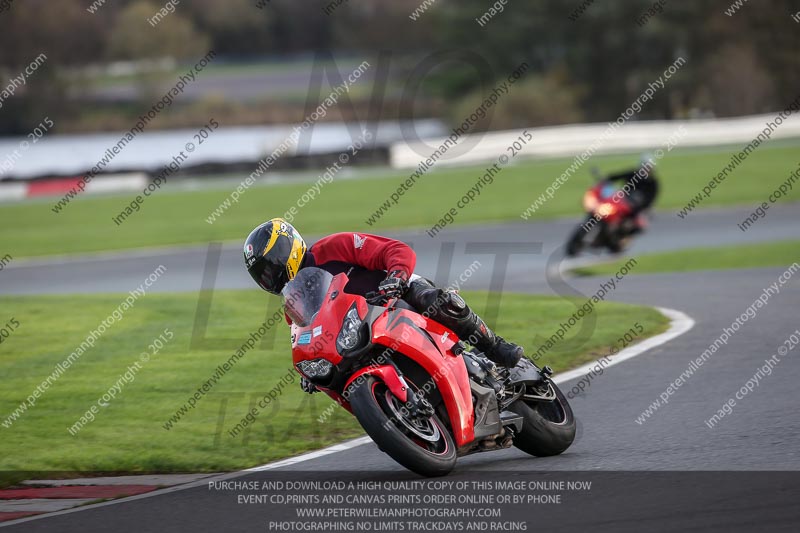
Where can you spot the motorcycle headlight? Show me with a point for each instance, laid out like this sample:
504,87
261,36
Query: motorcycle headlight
315,368
589,201
605,209
350,334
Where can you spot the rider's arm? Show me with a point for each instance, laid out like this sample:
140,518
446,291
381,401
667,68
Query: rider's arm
372,252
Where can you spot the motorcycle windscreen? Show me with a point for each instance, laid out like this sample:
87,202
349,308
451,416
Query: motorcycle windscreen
303,295
608,191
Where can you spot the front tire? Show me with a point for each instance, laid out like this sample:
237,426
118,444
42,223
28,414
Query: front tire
548,428
581,237
424,446
575,241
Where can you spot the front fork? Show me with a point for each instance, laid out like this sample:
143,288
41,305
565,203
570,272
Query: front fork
417,405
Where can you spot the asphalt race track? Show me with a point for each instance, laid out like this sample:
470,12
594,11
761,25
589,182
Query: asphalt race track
442,258
670,471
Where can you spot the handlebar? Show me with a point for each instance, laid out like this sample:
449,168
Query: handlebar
376,298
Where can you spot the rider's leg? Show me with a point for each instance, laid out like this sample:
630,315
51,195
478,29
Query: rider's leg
450,310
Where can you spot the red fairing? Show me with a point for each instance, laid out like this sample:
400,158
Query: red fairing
403,331
426,342
372,252
613,208
325,328
388,375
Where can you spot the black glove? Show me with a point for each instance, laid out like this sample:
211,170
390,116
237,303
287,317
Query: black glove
395,285
307,386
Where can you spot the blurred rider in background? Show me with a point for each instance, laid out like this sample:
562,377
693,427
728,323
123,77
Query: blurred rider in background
641,189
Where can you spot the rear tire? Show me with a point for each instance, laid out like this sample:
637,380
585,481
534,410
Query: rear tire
548,427
371,402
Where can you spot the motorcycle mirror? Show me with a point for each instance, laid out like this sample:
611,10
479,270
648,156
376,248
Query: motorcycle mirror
596,174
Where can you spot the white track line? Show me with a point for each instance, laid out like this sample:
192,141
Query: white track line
311,455
680,323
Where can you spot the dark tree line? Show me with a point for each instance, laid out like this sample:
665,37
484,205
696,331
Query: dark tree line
584,69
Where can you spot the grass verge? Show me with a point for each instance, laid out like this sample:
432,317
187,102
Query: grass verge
772,254
128,433
169,218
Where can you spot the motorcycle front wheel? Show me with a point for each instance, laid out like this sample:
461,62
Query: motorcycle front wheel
421,444
580,236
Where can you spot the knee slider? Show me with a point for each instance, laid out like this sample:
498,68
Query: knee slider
453,305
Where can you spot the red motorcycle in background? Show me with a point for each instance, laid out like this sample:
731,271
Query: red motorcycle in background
412,384
610,221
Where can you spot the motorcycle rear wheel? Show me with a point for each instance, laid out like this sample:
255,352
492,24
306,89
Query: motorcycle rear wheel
548,427
424,446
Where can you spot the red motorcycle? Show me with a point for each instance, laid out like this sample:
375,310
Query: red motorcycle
610,221
412,384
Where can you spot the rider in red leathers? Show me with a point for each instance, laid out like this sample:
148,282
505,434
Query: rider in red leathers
274,252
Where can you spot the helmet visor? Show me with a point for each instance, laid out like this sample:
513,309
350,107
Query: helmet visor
269,276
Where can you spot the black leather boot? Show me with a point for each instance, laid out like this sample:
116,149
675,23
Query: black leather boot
494,346
505,353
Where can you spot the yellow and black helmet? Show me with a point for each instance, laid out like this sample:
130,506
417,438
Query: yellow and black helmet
273,253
